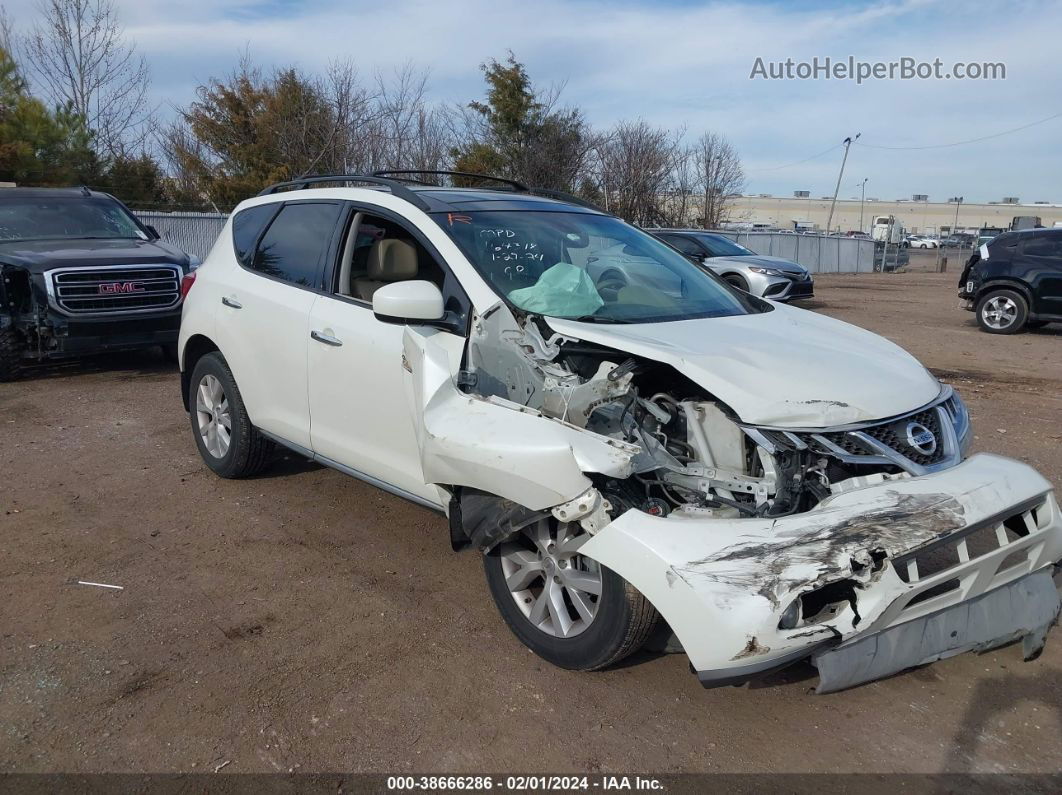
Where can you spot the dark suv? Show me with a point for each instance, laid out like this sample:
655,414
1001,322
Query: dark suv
1014,281
80,274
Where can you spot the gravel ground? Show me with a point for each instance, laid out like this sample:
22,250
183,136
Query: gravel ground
305,621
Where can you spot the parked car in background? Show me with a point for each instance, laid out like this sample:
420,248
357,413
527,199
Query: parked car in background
768,277
1014,281
767,484
82,275
921,241
957,241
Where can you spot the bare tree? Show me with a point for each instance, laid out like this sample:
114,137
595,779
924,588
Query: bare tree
720,176
634,167
7,34
79,57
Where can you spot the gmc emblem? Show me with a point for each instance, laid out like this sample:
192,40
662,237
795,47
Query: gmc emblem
121,287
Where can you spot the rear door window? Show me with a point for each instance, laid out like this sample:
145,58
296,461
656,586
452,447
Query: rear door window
247,226
1043,247
294,246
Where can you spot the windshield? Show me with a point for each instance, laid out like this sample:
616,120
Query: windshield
49,218
725,247
589,267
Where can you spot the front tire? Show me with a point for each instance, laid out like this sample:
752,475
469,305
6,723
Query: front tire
566,608
1002,312
736,281
10,355
228,442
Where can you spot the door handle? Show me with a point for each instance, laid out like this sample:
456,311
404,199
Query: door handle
231,302
327,339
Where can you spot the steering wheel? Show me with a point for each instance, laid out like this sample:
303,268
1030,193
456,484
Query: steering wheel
611,282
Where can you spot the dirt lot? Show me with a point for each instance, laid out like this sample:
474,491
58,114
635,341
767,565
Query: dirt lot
305,621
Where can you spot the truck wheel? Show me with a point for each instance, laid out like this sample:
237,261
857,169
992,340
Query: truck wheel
170,353
228,442
10,355
1002,312
568,609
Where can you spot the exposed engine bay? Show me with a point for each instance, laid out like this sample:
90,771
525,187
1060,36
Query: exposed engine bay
695,455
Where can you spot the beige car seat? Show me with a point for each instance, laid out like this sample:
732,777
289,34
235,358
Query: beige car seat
388,261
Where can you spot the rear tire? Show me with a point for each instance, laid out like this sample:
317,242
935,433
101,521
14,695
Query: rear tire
1002,312
228,442
10,355
620,621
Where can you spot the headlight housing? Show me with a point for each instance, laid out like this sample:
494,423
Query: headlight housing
765,271
960,421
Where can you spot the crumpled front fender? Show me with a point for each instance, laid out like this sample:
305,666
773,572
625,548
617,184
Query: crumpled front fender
496,445
723,584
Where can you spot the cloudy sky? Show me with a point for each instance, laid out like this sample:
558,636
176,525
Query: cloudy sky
687,63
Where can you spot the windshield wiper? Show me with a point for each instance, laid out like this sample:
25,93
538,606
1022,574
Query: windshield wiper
596,319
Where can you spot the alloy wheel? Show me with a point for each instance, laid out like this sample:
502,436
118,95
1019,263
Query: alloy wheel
555,588
212,412
999,312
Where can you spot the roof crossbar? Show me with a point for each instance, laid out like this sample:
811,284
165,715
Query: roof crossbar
397,188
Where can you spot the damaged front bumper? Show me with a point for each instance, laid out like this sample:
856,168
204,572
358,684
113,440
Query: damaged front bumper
885,577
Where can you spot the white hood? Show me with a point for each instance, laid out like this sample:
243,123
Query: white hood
789,367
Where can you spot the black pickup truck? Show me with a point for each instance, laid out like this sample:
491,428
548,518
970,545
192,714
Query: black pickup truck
80,274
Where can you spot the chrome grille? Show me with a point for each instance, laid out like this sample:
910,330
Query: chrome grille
894,435
106,290
926,440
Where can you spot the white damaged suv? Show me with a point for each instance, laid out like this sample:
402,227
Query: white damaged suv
633,444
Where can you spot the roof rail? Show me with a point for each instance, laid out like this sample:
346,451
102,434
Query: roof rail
397,188
518,187
560,195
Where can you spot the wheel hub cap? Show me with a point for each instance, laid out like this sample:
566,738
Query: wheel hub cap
212,416
555,588
1000,312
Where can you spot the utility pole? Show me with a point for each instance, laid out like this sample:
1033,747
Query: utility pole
862,198
958,204
837,187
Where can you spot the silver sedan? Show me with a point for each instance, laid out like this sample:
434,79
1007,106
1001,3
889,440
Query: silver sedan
768,277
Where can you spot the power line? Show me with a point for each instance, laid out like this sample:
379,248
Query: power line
798,162
961,143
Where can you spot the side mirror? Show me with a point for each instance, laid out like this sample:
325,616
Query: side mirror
408,302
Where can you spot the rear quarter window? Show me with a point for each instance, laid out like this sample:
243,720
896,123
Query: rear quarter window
247,226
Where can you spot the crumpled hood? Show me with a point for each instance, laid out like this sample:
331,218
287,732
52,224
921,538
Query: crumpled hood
786,265
788,367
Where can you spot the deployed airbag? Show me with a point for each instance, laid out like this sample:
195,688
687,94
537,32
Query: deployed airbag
562,291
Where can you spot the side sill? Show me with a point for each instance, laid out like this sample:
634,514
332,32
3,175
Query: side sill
354,473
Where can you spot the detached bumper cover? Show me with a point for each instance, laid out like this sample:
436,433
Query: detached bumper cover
905,551
1023,610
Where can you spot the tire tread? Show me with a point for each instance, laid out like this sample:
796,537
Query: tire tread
643,620
10,355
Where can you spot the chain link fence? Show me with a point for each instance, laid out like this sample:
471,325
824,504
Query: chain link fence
817,253
193,233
